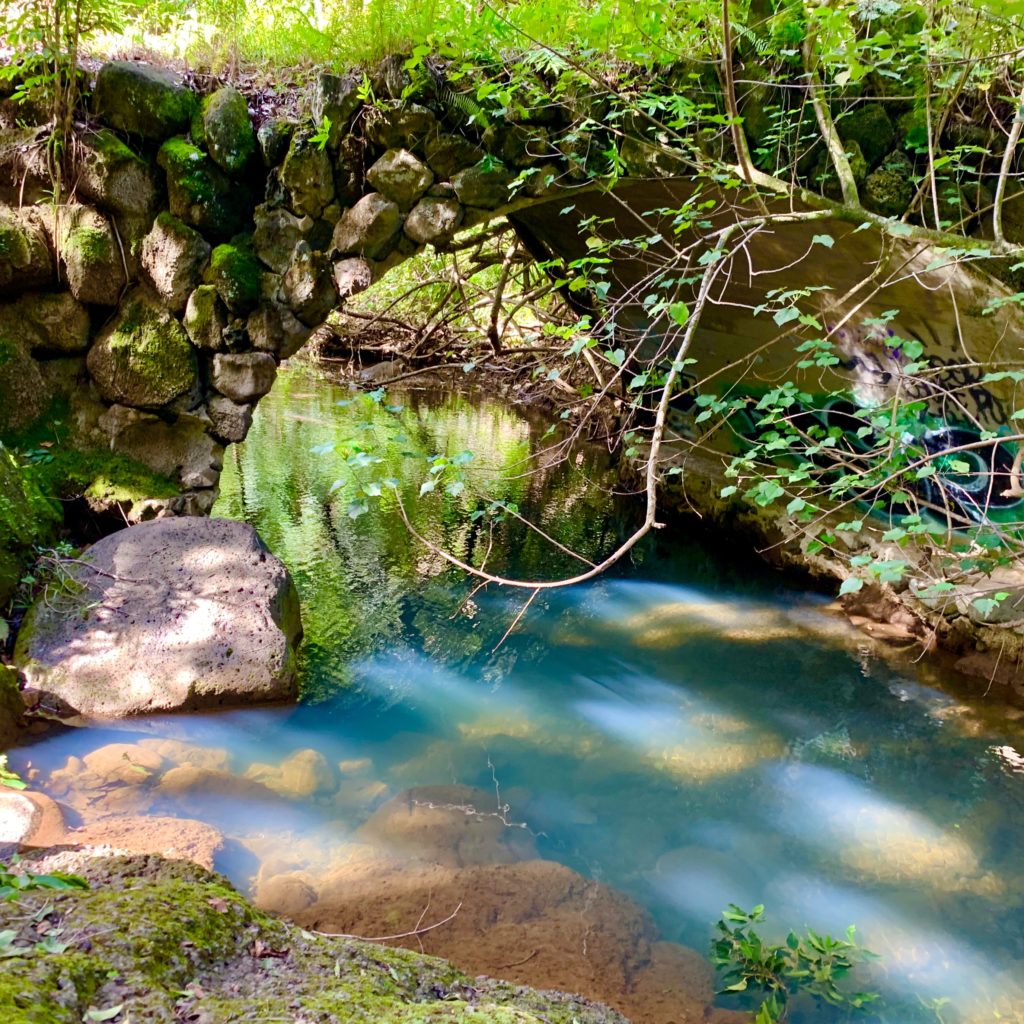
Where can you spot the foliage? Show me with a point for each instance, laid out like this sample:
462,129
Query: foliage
14,882
12,780
810,966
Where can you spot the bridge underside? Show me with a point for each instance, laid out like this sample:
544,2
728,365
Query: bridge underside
196,251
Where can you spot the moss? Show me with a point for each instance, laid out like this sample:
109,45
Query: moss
13,246
88,246
29,515
146,359
101,475
173,942
200,193
235,272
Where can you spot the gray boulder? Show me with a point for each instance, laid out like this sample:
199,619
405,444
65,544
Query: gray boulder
203,616
370,228
229,420
274,328
335,97
139,99
24,394
307,176
93,264
483,185
114,176
392,123
448,154
199,192
243,376
51,323
272,138
277,233
351,276
308,286
181,450
143,357
433,221
25,260
222,125
205,318
401,177
173,259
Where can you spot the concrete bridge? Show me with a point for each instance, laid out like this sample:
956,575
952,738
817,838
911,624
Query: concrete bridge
198,249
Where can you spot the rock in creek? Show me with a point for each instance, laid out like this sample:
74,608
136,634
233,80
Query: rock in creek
169,615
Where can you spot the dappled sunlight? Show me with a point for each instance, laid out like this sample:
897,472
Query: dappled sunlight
869,836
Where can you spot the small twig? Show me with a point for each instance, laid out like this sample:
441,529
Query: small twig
391,938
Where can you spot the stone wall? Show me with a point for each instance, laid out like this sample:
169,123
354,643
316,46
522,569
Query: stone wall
149,312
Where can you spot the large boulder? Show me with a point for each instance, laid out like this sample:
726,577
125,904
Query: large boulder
243,376
94,264
170,615
182,451
199,192
336,99
222,125
448,154
166,940
173,259
433,221
370,228
51,323
308,287
277,233
889,189
394,123
483,185
401,177
22,385
25,259
307,176
871,128
235,272
205,317
143,358
139,99
114,176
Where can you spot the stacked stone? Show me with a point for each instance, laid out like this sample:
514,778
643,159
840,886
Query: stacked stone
161,298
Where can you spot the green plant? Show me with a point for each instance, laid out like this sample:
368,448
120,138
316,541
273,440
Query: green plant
12,780
812,965
46,36
12,883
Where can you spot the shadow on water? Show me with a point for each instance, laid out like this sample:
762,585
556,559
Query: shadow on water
688,729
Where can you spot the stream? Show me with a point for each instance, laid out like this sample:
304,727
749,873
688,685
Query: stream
690,729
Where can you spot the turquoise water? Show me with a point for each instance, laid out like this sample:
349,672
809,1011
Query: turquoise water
688,728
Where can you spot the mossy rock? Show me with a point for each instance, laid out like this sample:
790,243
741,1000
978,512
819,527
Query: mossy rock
28,517
825,178
889,189
24,391
143,358
25,259
199,192
93,264
235,272
221,124
142,100
871,128
115,176
169,941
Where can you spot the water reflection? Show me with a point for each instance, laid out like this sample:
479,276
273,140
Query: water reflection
688,731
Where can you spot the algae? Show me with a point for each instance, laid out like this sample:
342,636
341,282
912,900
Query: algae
171,941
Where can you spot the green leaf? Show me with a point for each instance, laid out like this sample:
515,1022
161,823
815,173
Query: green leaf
679,312
357,508
826,240
92,1014
851,585
616,358
427,486
785,316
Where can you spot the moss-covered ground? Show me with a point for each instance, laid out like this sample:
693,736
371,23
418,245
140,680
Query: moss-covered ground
167,941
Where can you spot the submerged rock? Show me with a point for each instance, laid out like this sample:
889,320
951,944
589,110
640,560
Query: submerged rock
169,615
169,941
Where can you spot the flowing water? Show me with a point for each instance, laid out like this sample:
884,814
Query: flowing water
688,729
